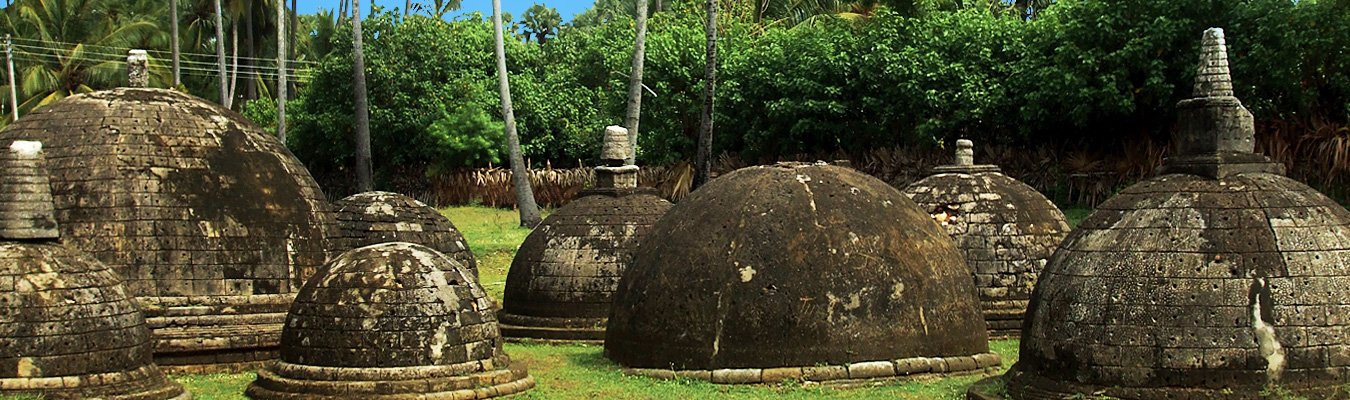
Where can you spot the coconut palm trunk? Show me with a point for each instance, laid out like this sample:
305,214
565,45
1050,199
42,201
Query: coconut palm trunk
634,116
173,42
364,180
234,76
281,70
220,57
703,161
520,178
250,74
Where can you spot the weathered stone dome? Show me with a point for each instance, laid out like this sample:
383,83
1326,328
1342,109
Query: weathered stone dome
380,217
565,273
68,328
391,321
211,222
563,277
1219,278
1006,230
796,271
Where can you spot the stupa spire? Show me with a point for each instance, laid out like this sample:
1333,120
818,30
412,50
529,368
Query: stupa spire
26,208
964,161
1216,135
1213,79
613,174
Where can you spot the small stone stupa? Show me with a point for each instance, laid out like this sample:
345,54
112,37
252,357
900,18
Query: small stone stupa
564,275
380,217
797,271
68,328
1218,278
391,321
212,223
1006,230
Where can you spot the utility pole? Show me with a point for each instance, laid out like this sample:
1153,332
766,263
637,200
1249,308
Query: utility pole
13,93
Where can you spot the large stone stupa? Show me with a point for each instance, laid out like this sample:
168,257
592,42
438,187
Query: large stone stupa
212,223
800,272
1006,229
563,278
1217,278
391,321
68,327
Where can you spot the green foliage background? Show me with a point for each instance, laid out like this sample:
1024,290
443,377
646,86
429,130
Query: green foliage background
1087,72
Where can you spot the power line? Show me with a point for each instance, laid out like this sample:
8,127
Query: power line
181,53
44,58
252,69
202,63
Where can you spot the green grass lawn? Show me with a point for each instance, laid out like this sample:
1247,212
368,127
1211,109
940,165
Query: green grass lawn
580,371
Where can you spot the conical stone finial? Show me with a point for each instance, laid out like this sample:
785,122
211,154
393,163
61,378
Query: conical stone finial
615,175
26,208
1216,135
138,69
1212,79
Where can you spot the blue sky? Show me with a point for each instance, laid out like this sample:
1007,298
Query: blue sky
567,8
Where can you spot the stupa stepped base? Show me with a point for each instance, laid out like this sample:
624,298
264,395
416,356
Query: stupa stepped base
849,374
545,329
144,383
215,334
284,381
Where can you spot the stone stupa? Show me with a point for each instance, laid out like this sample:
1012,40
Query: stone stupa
379,217
211,221
797,272
1217,278
563,278
391,321
68,328
1006,230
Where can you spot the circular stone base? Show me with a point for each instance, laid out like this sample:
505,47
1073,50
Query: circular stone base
850,374
144,383
561,330
284,381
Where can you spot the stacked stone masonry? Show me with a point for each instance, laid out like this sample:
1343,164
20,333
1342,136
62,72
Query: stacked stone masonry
391,321
1006,230
210,220
26,210
382,217
563,278
860,371
69,330
1174,282
1215,279
773,269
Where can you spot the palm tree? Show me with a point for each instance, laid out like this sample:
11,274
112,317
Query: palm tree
541,21
634,115
364,181
520,178
220,55
173,16
437,8
703,161
49,70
